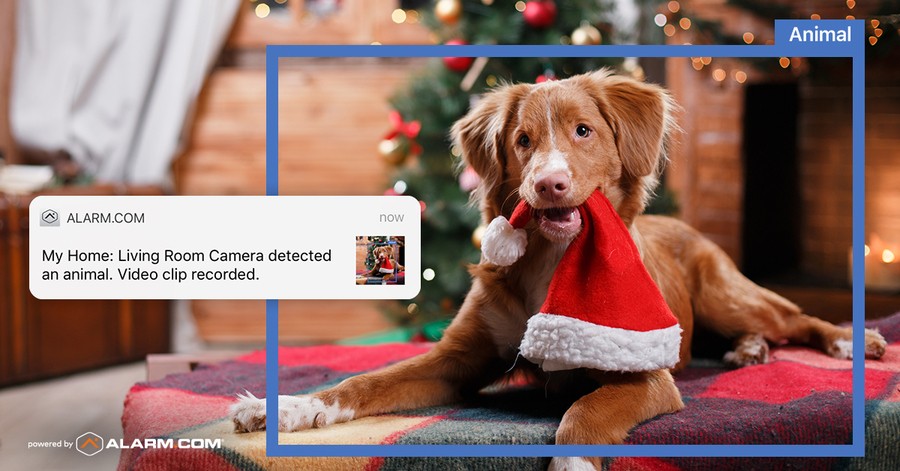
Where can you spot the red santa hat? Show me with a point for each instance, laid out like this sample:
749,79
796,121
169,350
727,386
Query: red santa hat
602,311
386,266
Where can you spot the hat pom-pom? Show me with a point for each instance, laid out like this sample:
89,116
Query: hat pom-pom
502,244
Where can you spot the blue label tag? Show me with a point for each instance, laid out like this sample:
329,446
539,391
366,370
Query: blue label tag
820,37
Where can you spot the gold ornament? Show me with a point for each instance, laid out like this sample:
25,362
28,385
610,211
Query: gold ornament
586,35
448,11
393,151
477,234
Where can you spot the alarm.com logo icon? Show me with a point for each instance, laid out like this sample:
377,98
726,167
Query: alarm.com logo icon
89,443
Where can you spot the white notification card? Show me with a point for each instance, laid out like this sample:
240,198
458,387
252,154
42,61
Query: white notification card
225,247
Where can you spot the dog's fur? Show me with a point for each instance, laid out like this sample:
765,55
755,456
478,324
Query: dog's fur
588,132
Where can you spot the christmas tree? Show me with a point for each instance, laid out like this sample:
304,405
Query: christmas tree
426,165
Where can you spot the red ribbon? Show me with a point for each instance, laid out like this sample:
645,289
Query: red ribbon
409,129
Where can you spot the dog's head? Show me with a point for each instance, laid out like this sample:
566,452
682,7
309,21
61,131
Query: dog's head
382,253
554,143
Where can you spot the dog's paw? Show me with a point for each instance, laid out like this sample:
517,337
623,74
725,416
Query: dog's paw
748,350
843,348
875,344
571,463
295,413
248,413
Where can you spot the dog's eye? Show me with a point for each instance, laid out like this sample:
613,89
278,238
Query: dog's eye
524,141
583,131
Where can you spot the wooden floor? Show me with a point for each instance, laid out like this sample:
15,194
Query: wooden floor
63,409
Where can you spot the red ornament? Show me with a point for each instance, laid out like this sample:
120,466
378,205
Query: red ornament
548,76
539,13
457,64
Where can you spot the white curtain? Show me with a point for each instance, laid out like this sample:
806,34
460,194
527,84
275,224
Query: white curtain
113,82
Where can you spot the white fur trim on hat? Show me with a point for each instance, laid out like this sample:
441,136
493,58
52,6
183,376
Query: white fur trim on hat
563,343
502,244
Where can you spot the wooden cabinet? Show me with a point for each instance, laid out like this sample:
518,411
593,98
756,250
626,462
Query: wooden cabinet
41,338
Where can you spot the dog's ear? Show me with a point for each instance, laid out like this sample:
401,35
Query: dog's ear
480,136
641,116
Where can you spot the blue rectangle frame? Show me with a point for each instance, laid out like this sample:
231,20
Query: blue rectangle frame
854,50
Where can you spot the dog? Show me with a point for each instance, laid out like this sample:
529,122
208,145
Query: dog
384,263
553,144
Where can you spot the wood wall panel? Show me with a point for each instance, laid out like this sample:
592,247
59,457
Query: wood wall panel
332,115
300,322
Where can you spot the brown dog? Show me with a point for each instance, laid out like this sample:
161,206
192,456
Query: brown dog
385,263
553,144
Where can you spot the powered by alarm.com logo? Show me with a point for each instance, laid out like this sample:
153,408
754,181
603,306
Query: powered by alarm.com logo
89,443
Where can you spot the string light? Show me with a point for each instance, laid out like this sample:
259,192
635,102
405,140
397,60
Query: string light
878,32
706,60
412,16
873,40
262,10
428,274
784,62
412,308
669,30
740,76
815,16
491,80
660,20
851,17
796,62
674,7
718,75
520,6
398,16
685,23
875,22
748,37
851,4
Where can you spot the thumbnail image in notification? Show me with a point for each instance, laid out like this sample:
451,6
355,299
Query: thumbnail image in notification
223,247
380,260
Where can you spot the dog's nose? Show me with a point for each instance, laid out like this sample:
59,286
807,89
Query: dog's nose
553,186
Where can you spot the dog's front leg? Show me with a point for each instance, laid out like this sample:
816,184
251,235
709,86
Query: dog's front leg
464,361
605,416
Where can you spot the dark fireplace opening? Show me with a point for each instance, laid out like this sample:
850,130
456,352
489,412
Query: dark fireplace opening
771,234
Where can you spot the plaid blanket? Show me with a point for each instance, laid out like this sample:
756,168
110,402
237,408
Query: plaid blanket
800,397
